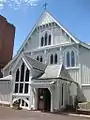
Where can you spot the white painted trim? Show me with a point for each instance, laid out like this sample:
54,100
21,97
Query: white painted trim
85,85
68,68
5,102
28,66
49,47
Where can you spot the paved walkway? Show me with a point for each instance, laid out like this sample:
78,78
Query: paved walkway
11,114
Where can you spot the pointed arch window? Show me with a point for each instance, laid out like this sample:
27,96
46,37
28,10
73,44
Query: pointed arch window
49,41
51,59
17,75
10,73
41,59
38,58
22,72
46,38
68,59
56,57
42,41
72,59
22,86
27,75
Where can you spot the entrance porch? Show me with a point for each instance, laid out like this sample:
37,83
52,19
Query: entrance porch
43,92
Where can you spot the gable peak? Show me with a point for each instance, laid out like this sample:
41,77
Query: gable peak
45,18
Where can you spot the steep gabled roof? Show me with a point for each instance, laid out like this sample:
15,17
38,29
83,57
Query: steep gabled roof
46,18
34,63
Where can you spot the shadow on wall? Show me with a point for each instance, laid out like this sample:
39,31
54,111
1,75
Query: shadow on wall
81,97
1,74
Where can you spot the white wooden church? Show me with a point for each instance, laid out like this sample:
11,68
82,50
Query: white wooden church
51,69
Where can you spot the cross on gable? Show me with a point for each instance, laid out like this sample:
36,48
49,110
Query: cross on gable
45,6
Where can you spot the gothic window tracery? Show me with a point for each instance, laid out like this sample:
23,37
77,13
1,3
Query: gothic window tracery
45,39
54,58
70,59
40,58
22,80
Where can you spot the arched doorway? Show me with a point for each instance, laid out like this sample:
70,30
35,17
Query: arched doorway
44,99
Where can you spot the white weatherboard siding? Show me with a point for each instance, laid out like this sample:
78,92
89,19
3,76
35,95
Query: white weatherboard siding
86,91
85,65
5,92
75,74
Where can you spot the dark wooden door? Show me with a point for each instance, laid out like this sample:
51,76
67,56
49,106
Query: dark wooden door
44,99
41,99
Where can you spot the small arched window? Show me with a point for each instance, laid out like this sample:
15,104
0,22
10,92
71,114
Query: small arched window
22,72
41,59
49,40
68,59
17,75
42,41
72,59
10,73
51,59
56,58
46,38
38,58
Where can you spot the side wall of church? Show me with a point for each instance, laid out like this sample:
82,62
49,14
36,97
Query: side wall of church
85,71
5,92
85,65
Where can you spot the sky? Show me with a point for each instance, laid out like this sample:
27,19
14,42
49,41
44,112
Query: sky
74,15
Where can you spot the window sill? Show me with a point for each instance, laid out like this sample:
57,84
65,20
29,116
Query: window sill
20,94
85,85
68,68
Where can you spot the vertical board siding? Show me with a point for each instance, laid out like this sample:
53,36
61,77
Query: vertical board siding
85,75
75,74
5,91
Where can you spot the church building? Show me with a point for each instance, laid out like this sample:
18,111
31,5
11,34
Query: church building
50,70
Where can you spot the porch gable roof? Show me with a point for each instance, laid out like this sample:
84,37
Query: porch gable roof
55,71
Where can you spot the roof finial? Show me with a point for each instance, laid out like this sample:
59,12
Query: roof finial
45,6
